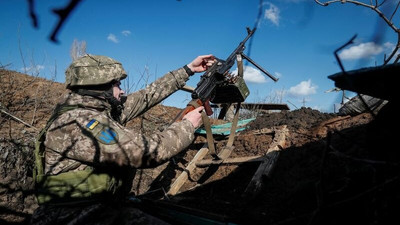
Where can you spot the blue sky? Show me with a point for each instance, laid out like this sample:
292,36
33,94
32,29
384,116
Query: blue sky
294,41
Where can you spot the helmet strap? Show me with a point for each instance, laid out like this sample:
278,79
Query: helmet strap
116,105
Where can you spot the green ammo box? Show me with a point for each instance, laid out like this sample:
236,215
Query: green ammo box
231,93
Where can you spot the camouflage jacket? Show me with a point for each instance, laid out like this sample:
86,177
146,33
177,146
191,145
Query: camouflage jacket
89,136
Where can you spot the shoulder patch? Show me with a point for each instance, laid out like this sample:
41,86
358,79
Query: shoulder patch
92,124
107,136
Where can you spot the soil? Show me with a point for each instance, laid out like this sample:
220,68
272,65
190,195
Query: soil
331,169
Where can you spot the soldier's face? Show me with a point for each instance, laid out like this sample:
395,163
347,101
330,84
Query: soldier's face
117,91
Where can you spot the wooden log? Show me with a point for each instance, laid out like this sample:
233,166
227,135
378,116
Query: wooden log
183,177
265,168
279,140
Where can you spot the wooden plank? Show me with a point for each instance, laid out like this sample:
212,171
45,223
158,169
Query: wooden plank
269,163
238,160
279,139
183,177
225,152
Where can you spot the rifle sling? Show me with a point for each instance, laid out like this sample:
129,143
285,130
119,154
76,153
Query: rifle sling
236,117
210,138
233,127
207,126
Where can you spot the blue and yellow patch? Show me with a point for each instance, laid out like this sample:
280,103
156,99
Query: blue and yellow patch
92,124
107,136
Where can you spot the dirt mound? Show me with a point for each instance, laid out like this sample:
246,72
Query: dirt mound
25,104
334,170
304,118
331,169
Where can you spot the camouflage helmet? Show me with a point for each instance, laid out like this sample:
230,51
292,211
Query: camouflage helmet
93,70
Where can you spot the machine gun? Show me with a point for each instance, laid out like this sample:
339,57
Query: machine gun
218,86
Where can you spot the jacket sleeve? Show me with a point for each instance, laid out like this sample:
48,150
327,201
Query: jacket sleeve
142,100
98,140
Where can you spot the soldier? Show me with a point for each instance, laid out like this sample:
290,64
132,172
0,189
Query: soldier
85,159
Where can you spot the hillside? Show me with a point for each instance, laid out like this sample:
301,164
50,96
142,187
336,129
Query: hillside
328,169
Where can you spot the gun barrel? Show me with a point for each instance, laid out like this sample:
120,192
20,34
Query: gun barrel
241,46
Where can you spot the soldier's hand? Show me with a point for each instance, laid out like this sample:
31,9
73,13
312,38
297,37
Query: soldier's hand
201,63
194,117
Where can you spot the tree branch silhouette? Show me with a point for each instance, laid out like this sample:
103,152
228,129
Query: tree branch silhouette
375,6
63,15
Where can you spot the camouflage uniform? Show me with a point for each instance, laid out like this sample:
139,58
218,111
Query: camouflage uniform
88,137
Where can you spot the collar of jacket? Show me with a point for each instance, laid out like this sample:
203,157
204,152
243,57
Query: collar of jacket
87,101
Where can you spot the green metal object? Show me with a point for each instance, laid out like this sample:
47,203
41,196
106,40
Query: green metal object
232,93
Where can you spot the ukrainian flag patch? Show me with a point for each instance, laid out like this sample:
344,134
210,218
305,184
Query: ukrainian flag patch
92,124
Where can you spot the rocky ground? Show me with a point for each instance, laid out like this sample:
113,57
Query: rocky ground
331,169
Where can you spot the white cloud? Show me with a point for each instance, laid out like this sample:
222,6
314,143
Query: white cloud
113,38
32,69
272,13
304,88
126,32
251,74
389,46
363,50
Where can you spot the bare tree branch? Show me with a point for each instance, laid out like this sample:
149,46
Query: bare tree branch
375,7
394,12
78,49
63,15
16,118
32,13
